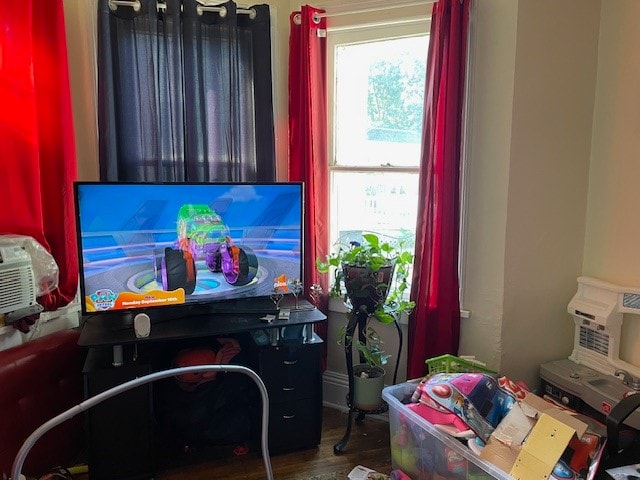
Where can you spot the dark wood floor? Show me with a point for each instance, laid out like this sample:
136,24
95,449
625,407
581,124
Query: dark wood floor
368,445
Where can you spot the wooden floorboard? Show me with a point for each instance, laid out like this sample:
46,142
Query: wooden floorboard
368,445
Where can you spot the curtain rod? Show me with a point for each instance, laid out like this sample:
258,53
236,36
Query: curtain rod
203,7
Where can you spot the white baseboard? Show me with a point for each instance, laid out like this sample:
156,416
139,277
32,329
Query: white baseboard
335,387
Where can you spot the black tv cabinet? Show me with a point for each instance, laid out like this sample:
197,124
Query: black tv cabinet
121,440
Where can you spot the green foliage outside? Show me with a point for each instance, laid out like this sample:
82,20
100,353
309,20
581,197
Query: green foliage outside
396,92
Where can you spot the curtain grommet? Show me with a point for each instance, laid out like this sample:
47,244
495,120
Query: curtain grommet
135,4
222,10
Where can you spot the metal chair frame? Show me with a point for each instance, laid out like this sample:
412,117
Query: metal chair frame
112,392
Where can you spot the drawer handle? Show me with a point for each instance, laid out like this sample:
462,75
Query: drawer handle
290,362
288,389
288,417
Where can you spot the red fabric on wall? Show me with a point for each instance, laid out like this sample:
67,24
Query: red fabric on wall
434,327
308,160
37,145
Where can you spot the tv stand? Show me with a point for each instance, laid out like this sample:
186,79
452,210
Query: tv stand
252,305
122,441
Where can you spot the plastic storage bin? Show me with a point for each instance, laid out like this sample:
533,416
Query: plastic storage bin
425,453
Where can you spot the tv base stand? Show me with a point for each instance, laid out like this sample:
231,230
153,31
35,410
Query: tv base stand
124,440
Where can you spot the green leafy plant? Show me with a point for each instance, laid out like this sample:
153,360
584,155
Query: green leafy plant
371,349
376,296
373,254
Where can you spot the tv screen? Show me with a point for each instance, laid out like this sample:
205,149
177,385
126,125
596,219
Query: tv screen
151,245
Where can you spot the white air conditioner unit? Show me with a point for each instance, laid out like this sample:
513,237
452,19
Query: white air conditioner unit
17,283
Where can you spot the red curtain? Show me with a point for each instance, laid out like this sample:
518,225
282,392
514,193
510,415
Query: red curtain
37,148
308,138
434,327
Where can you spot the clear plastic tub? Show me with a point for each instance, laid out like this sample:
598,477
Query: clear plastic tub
425,453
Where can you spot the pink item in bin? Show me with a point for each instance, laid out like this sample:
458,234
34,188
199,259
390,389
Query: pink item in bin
465,401
439,417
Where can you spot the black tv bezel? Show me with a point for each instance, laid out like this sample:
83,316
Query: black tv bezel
258,303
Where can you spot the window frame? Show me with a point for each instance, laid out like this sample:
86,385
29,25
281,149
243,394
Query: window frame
351,34
364,33
354,34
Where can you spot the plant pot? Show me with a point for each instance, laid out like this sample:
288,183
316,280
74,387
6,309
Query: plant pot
367,391
366,289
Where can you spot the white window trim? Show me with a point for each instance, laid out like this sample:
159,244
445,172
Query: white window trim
380,12
465,158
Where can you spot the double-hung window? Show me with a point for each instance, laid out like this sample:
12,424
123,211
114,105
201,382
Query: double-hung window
376,99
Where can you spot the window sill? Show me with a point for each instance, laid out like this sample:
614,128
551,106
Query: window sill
337,305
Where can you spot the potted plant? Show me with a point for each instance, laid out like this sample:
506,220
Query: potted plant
372,277
368,376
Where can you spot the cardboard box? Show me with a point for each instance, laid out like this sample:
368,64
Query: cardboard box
546,431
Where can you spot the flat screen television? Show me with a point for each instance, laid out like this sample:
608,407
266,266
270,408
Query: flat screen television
145,246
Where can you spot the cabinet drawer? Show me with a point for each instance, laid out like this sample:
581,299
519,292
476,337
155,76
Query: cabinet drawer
291,373
296,391
295,425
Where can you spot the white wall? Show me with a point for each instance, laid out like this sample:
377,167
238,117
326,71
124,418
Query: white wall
613,229
612,240
280,64
569,72
555,78
493,30
81,22
533,82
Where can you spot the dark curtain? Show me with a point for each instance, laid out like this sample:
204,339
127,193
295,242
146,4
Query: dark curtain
37,144
185,93
308,160
434,327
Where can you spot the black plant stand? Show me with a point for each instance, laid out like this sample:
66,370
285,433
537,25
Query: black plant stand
357,322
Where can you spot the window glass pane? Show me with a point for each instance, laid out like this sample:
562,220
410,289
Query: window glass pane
384,203
379,102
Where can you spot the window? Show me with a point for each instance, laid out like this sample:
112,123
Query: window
376,88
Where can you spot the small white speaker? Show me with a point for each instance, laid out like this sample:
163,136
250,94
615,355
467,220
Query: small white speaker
142,325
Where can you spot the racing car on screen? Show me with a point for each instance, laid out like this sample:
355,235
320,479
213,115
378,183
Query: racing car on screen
204,237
